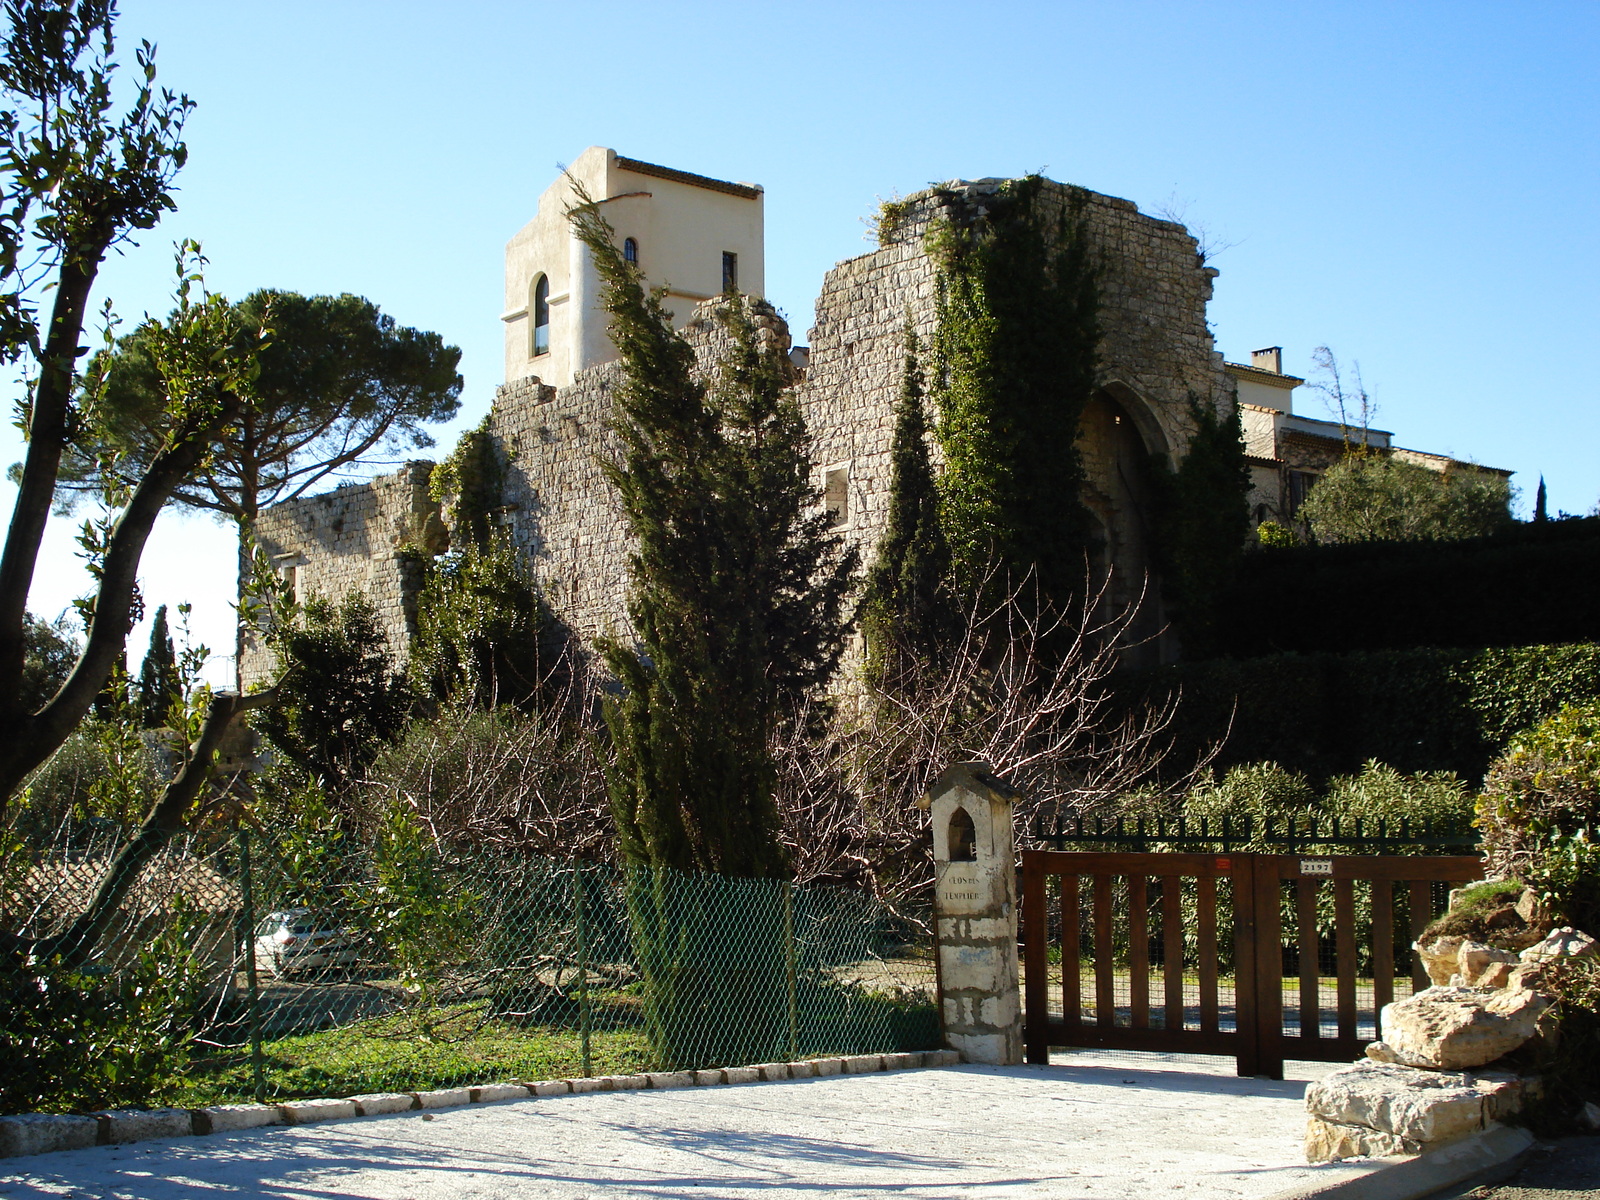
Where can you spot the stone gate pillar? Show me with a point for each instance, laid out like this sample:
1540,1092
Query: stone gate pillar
975,913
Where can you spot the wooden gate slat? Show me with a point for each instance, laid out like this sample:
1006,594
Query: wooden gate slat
1206,950
1071,974
1310,968
1382,944
1172,948
1344,927
1105,979
1257,926
1138,952
1421,916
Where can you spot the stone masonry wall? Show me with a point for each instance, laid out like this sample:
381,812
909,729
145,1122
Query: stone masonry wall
1156,352
350,539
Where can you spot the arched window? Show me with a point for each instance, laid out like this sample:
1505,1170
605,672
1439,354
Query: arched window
630,251
541,315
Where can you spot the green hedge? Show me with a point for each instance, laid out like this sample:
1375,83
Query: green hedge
1327,714
1518,588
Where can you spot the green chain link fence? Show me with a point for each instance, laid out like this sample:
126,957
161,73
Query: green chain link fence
273,967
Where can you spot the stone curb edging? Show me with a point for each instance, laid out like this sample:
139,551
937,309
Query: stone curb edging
1412,1178
42,1133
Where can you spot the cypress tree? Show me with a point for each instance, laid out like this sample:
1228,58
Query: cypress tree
737,584
908,613
160,685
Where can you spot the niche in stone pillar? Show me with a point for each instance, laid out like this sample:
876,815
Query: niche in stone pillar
963,837
975,890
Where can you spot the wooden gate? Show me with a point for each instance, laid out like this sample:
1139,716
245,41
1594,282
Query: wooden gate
1259,956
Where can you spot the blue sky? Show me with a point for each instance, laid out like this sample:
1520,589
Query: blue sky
1411,184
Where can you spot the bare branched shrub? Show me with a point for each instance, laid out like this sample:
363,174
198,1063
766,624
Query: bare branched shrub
1026,691
532,782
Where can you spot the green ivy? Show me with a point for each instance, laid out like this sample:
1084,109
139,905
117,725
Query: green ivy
1201,520
475,476
1015,353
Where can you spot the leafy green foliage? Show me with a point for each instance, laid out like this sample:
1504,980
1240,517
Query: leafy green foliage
160,685
1511,589
907,609
1368,497
1202,520
479,628
50,652
1015,351
1326,714
81,1040
471,480
416,909
1274,536
340,382
737,591
337,699
1540,812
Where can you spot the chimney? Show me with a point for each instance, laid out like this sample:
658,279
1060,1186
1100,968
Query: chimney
1270,359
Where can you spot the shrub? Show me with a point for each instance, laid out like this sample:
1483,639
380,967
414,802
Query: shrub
77,1041
1326,714
337,700
1540,813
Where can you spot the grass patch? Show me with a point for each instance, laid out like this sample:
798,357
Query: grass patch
461,1044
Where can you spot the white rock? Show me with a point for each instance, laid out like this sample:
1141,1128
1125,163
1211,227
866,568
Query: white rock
1474,959
374,1104
304,1112
41,1133
1416,1106
1327,1141
1565,942
1454,1028
493,1093
1440,958
444,1098
119,1128
224,1118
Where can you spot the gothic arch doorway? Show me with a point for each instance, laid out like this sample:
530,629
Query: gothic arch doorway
1116,448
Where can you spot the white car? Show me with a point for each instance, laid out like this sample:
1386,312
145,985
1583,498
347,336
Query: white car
298,939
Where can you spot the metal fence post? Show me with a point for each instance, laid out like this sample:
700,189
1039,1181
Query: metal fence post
247,920
791,971
584,1017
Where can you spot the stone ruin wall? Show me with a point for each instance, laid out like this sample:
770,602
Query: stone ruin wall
1157,351
350,539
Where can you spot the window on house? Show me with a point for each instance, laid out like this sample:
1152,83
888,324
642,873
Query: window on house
541,315
1300,485
836,496
730,270
630,251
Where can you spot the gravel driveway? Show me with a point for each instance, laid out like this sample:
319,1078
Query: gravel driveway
1101,1127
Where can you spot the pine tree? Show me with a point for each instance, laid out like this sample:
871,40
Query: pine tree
737,585
908,613
160,685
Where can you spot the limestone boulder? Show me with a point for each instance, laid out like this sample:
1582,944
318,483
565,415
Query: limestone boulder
1474,959
1328,1141
1495,975
1441,957
1411,1105
1565,942
1455,1028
